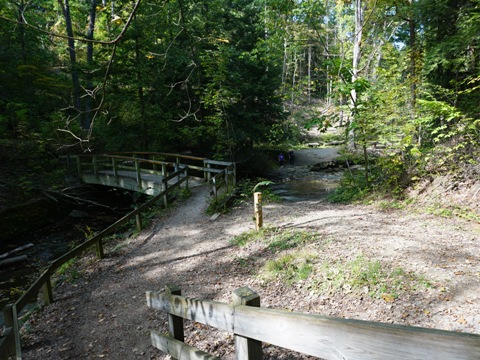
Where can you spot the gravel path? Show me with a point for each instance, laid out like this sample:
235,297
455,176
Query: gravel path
103,314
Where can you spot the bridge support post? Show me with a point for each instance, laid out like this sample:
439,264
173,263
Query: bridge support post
139,177
115,169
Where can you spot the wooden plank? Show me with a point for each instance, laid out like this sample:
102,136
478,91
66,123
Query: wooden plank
31,294
333,338
215,162
211,313
212,170
177,349
147,153
175,174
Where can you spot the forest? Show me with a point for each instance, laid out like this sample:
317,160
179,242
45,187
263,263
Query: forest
228,78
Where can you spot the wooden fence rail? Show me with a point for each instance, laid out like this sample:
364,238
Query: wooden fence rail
316,335
43,282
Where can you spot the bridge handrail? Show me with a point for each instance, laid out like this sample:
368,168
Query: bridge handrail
222,179
181,156
221,169
11,311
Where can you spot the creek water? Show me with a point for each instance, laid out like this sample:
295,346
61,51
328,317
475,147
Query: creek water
317,185
52,241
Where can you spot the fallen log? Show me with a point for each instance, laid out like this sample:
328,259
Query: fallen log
16,250
13,261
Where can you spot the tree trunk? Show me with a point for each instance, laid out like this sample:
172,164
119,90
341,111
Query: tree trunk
73,55
90,35
413,72
145,143
359,14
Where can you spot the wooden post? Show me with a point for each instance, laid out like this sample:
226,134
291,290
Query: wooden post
139,177
115,169
47,291
226,179
175,323
164,169
16,333
177,167
245,348
138,221
165,196
209,174
99,249
234,176
215,190
257,199
204,171
8,315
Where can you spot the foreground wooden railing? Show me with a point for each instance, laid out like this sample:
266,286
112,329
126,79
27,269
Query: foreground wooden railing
11,344
315,335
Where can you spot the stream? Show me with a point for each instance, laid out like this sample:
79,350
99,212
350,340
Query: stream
52,241
297,181
315,186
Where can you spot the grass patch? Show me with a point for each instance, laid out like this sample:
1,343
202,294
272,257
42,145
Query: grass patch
352,188
290,267
453,211
362,275
289,239
276,239
290,262
249,236
68,271
394,204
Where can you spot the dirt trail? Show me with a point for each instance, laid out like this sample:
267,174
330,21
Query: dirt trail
103,314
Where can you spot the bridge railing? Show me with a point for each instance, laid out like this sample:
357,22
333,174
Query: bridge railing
315,335
194,163
11,343
225,176
219,174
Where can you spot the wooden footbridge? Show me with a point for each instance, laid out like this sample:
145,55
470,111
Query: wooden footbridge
155,174
151,173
